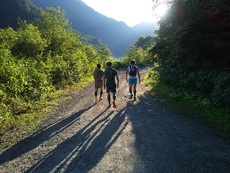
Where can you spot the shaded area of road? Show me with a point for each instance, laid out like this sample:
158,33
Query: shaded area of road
169,140
39,137
85,149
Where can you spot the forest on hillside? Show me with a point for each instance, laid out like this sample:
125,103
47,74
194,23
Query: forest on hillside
192,50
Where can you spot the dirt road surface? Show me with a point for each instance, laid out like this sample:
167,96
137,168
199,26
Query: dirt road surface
144,136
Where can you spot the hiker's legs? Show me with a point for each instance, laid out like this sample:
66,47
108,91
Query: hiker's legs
111,88
108,90
130,90
134,90
95,94
132,87
108,97
114,100
114,97
113,91
98,84
101,89
101,92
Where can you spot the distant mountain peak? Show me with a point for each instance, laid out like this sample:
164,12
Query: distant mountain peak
146,28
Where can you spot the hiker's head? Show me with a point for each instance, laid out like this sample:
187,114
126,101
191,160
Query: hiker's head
98,66
109,64
132,62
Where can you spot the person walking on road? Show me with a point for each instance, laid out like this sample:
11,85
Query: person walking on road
98,78
131,76
111,82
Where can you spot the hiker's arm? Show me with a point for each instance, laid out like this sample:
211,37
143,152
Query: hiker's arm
117,81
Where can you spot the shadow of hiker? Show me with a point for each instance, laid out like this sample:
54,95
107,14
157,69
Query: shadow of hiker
39,137
168,139
86,148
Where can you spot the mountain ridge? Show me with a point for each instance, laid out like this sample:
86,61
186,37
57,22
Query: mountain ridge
116,35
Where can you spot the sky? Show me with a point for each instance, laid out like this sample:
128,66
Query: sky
132,12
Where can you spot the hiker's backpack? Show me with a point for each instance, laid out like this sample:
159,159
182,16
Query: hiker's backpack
132,70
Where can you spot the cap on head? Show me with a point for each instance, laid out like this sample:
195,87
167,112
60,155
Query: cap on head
132,62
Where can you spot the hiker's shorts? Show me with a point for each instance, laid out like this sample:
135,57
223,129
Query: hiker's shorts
133,81
111,87
98,84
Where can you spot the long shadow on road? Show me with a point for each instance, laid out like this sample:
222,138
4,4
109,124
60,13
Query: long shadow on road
86,148
39,137
168,140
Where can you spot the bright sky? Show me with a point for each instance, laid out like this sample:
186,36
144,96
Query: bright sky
131,12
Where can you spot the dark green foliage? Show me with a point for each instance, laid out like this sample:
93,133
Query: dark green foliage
145,43
192,49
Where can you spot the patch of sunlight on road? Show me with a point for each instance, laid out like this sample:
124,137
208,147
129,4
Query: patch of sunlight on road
122,155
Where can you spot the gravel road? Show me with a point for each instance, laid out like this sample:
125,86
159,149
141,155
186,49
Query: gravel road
144,136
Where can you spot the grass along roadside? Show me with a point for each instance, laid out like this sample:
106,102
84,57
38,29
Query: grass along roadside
215,116
17,127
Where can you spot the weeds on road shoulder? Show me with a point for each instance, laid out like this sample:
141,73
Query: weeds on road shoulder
13,128
218,117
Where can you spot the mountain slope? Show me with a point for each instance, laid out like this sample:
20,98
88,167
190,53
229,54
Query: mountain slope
145,28
11,10
116,35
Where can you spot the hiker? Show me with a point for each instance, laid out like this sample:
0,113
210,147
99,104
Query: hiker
98,78
110,83
132,71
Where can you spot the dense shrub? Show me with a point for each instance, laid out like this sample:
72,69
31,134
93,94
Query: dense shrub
40,58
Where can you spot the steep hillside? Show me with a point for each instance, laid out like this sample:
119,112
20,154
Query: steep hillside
11,10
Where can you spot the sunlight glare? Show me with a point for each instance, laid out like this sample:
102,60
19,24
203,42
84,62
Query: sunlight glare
160,11
129,11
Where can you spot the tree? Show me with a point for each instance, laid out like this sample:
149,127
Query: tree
145,43
7,38
192,48
29,42
55,28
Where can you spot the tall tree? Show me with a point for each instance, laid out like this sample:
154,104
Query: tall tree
55,28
